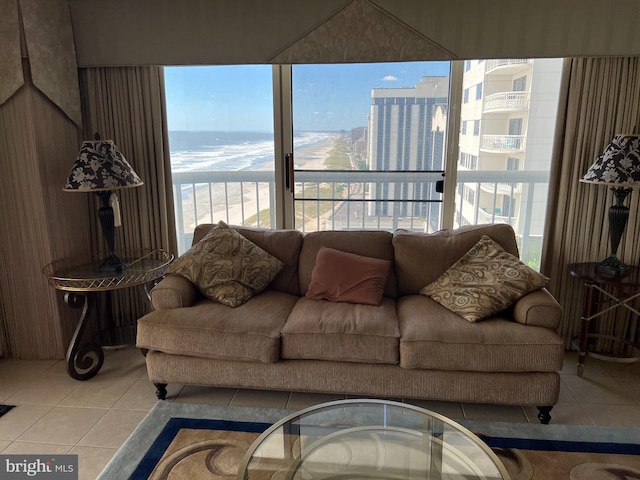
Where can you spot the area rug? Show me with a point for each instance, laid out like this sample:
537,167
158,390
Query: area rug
183,441
5,408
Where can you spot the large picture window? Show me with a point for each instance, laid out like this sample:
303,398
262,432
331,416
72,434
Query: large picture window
364,145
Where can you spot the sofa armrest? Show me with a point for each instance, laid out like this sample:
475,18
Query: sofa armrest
539,309
174,291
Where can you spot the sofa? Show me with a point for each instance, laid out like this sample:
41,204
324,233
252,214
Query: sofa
407,346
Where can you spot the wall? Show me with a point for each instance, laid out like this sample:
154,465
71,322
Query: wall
38,222
39,141
167,32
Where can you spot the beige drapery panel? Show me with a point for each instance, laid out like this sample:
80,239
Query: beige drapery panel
602,99
126,104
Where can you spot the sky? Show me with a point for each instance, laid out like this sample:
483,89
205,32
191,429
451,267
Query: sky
325,97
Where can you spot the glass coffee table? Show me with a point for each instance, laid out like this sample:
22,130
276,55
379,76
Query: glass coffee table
369,439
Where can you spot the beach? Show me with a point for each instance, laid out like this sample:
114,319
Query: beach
234,201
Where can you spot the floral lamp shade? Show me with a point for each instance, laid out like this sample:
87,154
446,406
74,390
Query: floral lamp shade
619,164
619,167
100,166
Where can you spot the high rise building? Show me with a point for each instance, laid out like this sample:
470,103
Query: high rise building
507,116
407,133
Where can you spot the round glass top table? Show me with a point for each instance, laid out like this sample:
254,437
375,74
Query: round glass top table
369,439
82,278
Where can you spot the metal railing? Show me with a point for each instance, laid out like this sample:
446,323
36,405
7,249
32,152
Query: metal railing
505,62
343,200
503,143
506,101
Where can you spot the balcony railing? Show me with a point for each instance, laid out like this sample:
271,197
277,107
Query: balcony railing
506,101
505,62
503,143
246,198
500,188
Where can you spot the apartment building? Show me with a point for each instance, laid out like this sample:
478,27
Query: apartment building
407,131
508,115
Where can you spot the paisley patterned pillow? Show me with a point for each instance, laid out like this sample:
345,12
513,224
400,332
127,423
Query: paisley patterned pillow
485,281
226,267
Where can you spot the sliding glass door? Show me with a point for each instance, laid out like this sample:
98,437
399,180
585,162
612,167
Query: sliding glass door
350,146
369,145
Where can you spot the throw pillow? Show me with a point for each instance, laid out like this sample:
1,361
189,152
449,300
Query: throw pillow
485,281
346,277
226,267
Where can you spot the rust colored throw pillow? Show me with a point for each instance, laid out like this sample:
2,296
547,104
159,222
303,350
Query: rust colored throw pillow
346,277
227,267
485,281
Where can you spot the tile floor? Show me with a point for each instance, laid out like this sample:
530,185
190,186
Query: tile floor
56,414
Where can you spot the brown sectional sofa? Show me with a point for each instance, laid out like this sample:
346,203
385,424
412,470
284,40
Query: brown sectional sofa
410,346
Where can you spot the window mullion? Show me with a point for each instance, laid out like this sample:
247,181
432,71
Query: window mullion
453,134
283,137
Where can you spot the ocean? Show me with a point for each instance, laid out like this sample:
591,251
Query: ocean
225,151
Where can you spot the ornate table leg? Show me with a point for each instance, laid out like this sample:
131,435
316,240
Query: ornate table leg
84,360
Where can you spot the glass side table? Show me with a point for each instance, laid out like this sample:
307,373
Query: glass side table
622,291
81,279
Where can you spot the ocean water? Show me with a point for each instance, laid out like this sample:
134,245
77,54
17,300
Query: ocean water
224,151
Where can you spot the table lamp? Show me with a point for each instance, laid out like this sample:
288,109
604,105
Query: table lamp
618,166
101,168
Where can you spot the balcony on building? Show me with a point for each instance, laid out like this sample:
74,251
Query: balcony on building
503,143
507,65
506,102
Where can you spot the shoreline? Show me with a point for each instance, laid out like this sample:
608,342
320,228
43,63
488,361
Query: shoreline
234,201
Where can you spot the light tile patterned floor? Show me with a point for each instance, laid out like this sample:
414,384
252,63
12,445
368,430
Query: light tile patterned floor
56,414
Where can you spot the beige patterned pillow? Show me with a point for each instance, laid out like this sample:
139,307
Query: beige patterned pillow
485,281
226,267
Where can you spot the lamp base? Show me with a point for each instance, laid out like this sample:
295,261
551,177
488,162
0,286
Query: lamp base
613,266
112,264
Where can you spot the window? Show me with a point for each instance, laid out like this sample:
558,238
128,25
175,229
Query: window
520,84
466,95
221,142
387,181
515,126
368,143
517,190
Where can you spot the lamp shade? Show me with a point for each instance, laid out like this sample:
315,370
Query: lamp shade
100,166
619,164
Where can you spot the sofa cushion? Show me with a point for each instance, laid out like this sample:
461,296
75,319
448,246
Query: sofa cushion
421,258
322,330
227,267
283,244
484,281
369,243
250,332
346,277
433,337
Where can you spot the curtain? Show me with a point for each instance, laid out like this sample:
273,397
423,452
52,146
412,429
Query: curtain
126,105
602,98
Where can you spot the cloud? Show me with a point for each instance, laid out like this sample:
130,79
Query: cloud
390,78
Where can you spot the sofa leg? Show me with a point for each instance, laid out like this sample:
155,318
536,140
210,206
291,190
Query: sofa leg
161,391
544,414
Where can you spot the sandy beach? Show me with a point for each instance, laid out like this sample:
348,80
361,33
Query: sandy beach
234,201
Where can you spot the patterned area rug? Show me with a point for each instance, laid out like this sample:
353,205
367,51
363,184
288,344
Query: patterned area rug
182,441
5,408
